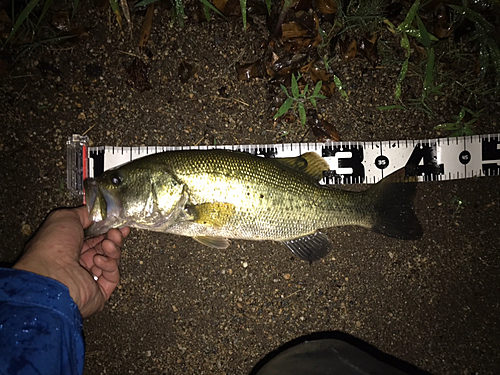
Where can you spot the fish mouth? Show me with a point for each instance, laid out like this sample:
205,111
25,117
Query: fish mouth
105,208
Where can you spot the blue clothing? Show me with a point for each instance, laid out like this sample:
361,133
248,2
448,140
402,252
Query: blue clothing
40,326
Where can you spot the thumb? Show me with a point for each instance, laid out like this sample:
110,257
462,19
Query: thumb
83,214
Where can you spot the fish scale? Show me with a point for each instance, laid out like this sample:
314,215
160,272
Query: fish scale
283,204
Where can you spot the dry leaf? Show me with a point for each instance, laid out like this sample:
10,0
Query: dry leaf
146,26
220,4
292,30
126,13
249,71
327,6
328,85
323,130
369,50
348,50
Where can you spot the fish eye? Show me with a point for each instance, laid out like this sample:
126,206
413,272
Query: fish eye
116,179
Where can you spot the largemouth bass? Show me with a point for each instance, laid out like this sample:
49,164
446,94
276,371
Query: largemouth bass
216,195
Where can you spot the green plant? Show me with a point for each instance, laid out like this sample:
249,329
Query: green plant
406,29
364,15
340,86
458,204
297,100
485,36
461,127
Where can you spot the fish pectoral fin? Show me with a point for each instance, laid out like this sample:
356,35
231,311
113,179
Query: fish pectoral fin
216,242
213,214
309,163
311,247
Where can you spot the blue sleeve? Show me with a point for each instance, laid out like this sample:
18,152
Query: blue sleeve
40,326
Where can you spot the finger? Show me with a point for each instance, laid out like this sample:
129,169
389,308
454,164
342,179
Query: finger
110,276
87,254
85,263
96,272
125,231
116,236
92,242
83,214
111,249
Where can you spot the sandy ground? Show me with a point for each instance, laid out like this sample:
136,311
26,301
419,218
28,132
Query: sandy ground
185,308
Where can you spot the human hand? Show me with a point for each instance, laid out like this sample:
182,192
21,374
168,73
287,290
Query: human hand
88,268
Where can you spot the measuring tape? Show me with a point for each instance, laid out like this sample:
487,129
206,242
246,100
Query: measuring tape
350,162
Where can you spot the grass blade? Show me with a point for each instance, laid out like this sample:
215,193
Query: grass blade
284,89
206,11
116,11
145,3
268,5
22,17
210,6
390,107
338,84
46,7
284,108
425,38
402,75
494,55
179,11
317,88
243,4
295,87
410,16
75,7
302,113
126,13
429,73
146,26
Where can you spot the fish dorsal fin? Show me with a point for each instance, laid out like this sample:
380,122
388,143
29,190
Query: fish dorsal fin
310,247
309,163
216,242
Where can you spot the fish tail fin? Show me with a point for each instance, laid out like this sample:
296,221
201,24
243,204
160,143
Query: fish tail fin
392,200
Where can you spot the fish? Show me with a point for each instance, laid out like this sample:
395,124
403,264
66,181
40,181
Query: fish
217,195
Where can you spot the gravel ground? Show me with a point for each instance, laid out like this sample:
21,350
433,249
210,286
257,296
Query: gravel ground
185,308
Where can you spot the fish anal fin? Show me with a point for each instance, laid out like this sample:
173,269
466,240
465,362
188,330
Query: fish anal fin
215,242
213,214
310,247
309,163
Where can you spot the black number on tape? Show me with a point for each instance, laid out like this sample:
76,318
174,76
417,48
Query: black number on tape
491,151
464,157
354,162
98,157
382,162
423,162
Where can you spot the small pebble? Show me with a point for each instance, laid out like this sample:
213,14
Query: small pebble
26,229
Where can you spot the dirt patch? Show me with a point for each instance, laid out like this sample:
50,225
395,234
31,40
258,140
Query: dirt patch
184,308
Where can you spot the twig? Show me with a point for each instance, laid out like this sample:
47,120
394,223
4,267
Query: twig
229,99
89,129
